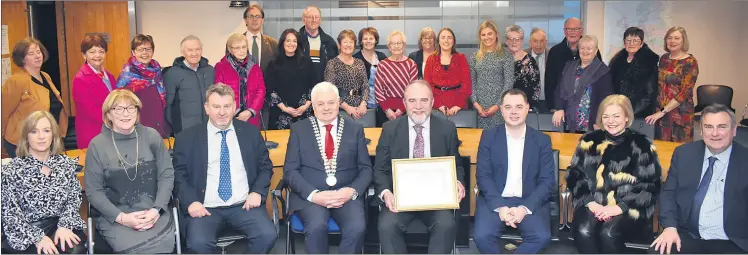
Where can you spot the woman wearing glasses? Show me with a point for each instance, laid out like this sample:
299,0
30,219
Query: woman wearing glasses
426,49
129,180
395,73
634,70
142,75
244,76
526,71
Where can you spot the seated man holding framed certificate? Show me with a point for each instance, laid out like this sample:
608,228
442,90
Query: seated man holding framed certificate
515,176
415,135
328,169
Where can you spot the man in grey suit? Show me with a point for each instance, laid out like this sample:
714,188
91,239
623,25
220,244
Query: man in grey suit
539,51
261,47
328,169
416,135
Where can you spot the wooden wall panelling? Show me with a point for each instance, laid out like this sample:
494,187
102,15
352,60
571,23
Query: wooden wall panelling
81,18
15,14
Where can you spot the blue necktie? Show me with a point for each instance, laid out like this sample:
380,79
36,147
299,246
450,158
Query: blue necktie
698,200
224,181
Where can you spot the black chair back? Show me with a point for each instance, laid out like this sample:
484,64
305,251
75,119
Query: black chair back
642,127
368,120
545,122
466,118
713,94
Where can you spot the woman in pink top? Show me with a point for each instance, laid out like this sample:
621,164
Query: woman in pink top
91,86
241,73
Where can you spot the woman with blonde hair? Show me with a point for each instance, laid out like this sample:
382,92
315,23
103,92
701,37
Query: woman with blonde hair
41,193
244,76
426,49
614,179
129,180
349,75
492,73
678,71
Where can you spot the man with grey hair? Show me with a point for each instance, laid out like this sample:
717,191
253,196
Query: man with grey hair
703,203
539,51
415,135
328,170
314,42
186,82
566,50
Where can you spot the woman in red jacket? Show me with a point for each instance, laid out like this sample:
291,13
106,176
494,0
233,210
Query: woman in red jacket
449,75
238,71
91,86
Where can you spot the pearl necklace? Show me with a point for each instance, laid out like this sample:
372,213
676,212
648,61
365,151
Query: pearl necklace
330,164
125,164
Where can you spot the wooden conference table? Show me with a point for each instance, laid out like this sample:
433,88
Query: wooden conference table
565,143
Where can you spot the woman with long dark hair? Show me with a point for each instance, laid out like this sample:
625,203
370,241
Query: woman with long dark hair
289,79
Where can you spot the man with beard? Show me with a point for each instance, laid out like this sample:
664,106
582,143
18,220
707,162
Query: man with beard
415,136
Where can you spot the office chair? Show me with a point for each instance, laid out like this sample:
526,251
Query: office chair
642,127
368,120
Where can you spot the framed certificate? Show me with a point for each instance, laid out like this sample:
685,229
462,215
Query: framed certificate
425,184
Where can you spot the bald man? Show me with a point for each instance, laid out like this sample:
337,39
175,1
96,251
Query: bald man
567,49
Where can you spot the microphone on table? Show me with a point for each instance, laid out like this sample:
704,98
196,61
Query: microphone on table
268,144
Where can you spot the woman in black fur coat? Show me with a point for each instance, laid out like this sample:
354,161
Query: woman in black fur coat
634,70
614,180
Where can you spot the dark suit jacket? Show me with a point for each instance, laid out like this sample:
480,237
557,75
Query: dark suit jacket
418,58
268,50
305,171
683,181
393,144
191,162
538,180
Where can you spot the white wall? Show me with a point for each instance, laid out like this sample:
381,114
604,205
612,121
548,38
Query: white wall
717,33
170,21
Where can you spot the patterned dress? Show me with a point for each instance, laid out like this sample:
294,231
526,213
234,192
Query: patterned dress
491,77
527,78
30,196
677,79
351,80
583,110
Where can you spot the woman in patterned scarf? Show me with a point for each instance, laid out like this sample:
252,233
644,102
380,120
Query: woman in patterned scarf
142,75
244,76
41,194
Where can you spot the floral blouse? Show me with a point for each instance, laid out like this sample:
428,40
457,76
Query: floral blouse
527,78
29,196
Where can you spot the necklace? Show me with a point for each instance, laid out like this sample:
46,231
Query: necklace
677,57
330,164
125,164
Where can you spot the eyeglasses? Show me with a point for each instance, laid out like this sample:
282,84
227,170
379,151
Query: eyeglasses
514,39
119,110
428,38
141,50
634,41
254,17
573,29
398,44
243,47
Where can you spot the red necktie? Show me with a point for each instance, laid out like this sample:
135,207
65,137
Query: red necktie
329,147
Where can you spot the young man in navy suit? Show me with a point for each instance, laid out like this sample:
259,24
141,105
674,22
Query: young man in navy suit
328,169
515,176
703,204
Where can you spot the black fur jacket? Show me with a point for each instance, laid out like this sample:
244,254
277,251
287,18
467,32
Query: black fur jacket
637,80
622,170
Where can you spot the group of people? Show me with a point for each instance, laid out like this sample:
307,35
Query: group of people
220,170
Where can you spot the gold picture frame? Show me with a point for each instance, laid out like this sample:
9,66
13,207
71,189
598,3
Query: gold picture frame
425,184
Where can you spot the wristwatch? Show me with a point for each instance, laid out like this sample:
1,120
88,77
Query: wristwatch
355,195
664,111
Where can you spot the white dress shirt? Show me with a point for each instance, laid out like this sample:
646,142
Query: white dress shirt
258,41
541,59
515,150
323,133
239,183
